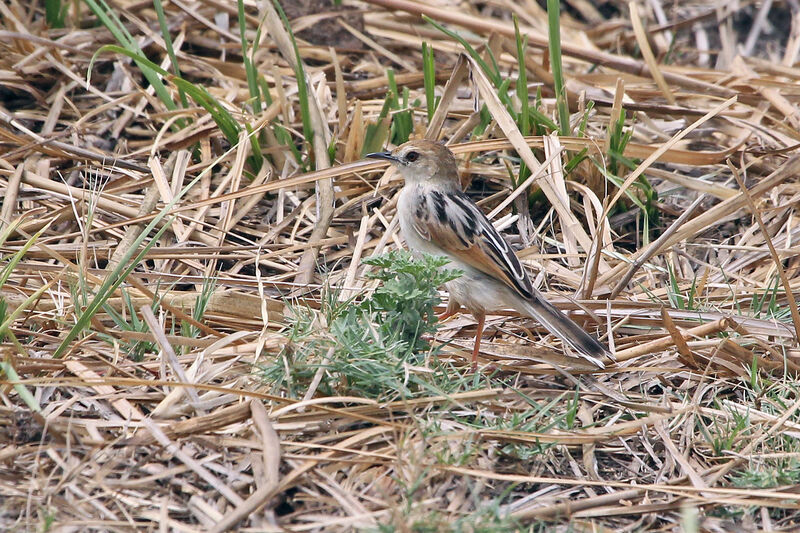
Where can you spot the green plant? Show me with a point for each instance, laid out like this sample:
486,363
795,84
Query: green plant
676,298
554,36
302,89
377,132
135,349
407,295
111,21
402,118
7,319
619,138
48,517
398,127
199,309
641,193
723,433
768,306
129,320
429,78
173,58
769,474
55,13
365,347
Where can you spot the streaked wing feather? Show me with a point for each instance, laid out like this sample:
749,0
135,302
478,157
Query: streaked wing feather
458,226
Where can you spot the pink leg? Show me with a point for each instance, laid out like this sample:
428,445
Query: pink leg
478,334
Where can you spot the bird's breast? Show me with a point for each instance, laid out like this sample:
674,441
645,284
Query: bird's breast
410,203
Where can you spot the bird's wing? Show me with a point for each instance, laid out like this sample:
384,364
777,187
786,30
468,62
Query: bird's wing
452,221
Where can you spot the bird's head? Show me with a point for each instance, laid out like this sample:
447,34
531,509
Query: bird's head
422,161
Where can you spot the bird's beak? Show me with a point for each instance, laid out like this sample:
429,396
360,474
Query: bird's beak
383,155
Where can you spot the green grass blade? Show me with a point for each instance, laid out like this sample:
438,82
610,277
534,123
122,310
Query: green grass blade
23,306
376,133
24,394
117,29
112,23
523,118
55,12
402,121
17,257
300,75
393,91
524,122
562,105
540,118
585,120
575,160
486,119
494,75
429,78
249,69
11,228
162,23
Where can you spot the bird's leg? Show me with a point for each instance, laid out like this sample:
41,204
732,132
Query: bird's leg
478,335
453,307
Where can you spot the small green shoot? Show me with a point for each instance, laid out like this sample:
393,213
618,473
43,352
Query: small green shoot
377,132
302,88
173,58
725,432
429,78
676,299
55,13
572,411
403,118
199,309
135,349
554,26
486,119
249,68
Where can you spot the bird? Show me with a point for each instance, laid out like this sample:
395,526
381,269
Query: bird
438,218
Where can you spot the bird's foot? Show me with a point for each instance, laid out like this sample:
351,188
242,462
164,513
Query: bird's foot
447,314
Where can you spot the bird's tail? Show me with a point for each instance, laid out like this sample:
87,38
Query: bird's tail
565,329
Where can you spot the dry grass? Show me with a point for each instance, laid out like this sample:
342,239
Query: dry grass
175,406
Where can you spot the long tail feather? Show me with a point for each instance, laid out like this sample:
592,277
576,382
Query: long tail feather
565,329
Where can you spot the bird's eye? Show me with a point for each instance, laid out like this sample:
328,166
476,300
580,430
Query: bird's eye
412,156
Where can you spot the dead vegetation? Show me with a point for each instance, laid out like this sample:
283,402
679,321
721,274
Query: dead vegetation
177,350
